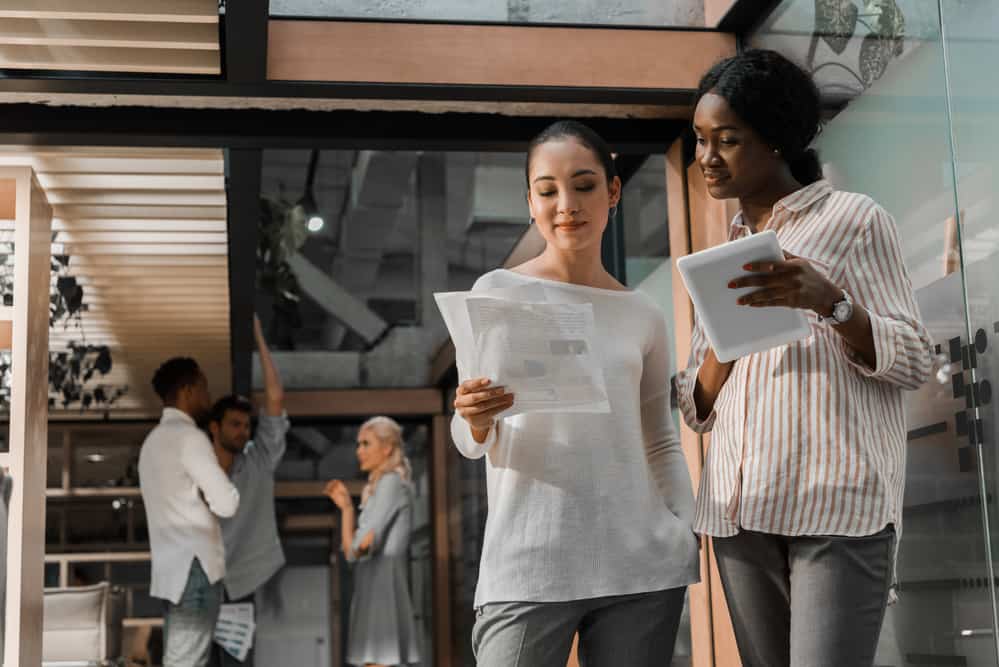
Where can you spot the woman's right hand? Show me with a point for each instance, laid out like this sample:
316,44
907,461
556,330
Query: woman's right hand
337,491
710,381
478,404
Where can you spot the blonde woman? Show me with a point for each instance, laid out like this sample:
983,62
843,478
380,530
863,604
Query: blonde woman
382,631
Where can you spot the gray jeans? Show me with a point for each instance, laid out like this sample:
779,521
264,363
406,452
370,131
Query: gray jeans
620,631
190,624
806,601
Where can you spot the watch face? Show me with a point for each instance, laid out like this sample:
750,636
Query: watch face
842,311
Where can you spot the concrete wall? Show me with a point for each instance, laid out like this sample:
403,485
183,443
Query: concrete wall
622,12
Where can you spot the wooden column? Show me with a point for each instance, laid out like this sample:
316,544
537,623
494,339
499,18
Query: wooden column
709,221
28,420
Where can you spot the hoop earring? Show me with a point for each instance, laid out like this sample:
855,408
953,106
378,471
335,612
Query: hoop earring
613,212
531,221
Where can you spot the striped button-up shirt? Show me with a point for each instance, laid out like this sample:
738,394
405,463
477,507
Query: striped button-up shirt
806,438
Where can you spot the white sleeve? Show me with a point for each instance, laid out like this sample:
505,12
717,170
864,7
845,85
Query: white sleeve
198,459
662,444
461,433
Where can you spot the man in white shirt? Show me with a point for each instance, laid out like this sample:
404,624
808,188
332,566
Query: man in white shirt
184,491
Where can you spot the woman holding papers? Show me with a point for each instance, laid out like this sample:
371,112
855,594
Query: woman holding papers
382,630
589,513
802,487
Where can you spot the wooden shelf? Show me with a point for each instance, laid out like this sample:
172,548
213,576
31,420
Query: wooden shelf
95,492
142,622
100,557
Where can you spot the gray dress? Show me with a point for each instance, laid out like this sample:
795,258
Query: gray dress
382,628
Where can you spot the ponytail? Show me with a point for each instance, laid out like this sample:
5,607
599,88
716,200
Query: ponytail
806,168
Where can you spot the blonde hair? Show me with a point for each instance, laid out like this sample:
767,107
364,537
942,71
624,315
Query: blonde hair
388,432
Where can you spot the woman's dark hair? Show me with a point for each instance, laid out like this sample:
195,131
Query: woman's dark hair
174,375
227,403
570,129
777,99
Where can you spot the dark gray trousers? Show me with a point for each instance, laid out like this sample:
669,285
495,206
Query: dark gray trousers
620,631
806,601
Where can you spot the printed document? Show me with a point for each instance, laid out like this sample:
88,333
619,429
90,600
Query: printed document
540,351
234,629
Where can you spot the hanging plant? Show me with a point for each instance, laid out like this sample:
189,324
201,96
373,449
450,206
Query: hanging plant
282,233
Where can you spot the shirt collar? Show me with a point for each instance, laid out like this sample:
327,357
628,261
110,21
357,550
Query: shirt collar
173,414
797,201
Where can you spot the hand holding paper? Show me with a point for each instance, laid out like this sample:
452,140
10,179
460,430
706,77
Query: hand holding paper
539,352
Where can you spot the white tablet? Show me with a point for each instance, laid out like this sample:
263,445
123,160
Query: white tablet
734,330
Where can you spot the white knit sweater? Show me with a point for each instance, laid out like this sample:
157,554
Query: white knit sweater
590,505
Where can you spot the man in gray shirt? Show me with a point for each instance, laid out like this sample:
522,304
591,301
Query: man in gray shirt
253,551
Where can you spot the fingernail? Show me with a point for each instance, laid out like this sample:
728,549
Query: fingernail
731,284
747,267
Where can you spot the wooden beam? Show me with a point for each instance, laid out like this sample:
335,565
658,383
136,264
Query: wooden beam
117,34
8,191
360,402
132,181
709,223
28,421
491,55
94,59
702,646
184,11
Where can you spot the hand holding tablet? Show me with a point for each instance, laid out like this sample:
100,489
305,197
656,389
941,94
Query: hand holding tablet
736,330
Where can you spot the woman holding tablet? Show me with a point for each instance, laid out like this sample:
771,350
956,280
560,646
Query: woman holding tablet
589,514
802,487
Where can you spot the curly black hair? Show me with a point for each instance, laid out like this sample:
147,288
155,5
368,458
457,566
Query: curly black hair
777,99
227,403
571,129
174,375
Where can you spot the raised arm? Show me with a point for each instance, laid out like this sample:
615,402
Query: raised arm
273,389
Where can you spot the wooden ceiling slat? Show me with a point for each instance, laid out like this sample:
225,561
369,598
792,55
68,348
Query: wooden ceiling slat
99,225
135,198
133,181
95,59
147,239
175,261
72,237
117,34
166,11
132,211
79,250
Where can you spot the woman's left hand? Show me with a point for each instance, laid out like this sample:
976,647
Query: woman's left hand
793,283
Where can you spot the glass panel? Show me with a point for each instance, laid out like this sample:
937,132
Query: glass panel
346,277
649,269
321,451
972,49
103,458
892,141
599,12
848,45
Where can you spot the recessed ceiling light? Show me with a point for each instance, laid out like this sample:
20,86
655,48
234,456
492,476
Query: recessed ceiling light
96,458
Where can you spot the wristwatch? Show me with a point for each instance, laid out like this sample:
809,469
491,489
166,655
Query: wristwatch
842,310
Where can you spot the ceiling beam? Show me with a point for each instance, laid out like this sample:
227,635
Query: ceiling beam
255,128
